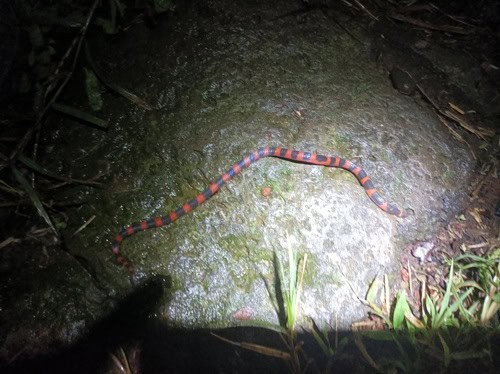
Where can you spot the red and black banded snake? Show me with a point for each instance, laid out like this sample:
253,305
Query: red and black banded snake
283,153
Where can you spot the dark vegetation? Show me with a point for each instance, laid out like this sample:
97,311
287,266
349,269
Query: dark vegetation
446,319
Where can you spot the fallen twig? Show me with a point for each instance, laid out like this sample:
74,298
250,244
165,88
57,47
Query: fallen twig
34,198
39,169
459,137
429,26
82,227
77,42
114,87
81,115
8,241
363,8
480,132
268,351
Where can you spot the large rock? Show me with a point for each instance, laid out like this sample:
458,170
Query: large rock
233,81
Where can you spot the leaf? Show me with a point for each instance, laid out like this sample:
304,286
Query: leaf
163,5
34,198
262,349
263,324
414,320
107,25
81,115
459,302
379,312
372,291
400,309
33,165
322,342
93,88
471,283
446,351
431,308
407,361
468,355
443,307
114,87
120,7
362,348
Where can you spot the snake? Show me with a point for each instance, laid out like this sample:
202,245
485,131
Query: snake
254,156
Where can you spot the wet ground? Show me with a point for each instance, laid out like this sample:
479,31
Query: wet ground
416,107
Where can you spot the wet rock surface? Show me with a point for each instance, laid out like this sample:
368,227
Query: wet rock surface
224,79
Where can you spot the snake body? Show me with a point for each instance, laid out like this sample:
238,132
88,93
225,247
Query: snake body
283,153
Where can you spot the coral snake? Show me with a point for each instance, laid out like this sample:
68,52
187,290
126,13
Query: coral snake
283,153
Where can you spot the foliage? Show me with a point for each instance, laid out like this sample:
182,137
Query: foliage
287,299
93,89
451,325
484,301
161,6
454,326
291,293
45,69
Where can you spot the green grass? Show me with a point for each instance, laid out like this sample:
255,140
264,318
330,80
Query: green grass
287,287
453,329
456,324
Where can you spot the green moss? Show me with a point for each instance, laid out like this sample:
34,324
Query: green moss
230,241
311,269
339,144
399,181
449,177
243,246
360,91
386,156
280,183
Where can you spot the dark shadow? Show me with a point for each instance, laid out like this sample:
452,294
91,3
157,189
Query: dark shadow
128,322
162,349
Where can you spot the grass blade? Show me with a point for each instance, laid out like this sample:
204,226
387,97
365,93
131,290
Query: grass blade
81,115
446,351
262,349
400,309
33,165
443,307
34,198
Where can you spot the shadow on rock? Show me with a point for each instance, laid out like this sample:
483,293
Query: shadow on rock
152,346
125,325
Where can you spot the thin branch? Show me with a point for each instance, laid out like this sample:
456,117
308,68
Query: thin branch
430,26
77,42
